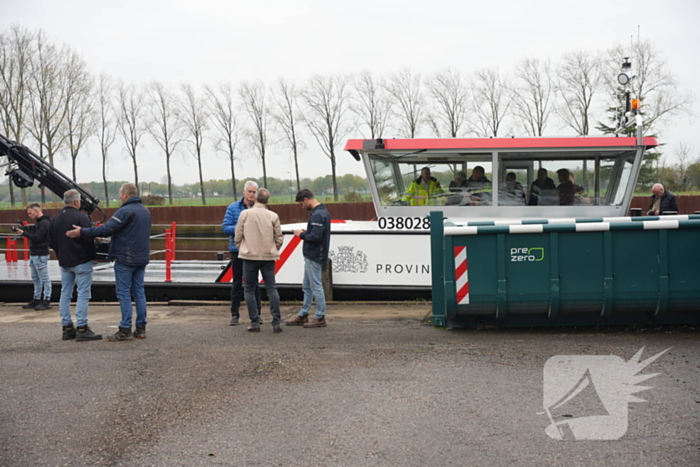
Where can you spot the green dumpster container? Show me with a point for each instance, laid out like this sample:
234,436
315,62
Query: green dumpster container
586,272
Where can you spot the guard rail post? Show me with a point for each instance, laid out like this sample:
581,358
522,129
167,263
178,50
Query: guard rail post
25,243
173,238
168,256
13,251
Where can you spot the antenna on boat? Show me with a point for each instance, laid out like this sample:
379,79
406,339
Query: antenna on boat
632,115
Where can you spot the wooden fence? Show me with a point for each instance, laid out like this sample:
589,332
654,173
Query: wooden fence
213,215
290,213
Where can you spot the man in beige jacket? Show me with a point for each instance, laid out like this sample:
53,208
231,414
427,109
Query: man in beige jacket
259,238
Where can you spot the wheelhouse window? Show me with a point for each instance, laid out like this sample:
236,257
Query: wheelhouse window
594,179
527,178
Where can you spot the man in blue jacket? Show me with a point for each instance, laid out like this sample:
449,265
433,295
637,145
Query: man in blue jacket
317,238
229,224
130,229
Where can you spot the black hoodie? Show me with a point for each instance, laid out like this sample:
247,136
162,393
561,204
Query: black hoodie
38,235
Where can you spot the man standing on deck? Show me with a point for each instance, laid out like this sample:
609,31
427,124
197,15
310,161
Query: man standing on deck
130,248
317,238
233,212
75,257
38,236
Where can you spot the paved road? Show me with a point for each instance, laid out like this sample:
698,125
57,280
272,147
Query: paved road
377,387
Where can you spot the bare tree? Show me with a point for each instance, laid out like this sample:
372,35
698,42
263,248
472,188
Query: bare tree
195,120
491,101
325,98
655,85
371,103
286,115
253,97
533,95
105,127
15,62
226,121
450,96
579,79
48,99
684,155
165,124
79,106
131,121
408,102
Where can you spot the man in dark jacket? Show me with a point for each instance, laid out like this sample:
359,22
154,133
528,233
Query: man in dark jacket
130,229
662,201
75,257
38,235
317,239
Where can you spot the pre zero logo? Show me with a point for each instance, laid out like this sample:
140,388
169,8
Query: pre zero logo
587,396
525,254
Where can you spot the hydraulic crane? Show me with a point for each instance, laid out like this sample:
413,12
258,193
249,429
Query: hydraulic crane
24,167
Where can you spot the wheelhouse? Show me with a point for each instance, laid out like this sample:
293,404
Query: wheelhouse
511,178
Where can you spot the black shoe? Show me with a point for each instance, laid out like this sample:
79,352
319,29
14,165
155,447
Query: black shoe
68,332
254,328
123,334
140,332
43,305
234,321
32,304
276,328
85,334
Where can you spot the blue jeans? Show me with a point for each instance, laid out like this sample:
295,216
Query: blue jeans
237,286
39,266
267,269
82,275
129,280
313,288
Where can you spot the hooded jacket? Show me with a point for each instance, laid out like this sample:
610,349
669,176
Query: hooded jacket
38,235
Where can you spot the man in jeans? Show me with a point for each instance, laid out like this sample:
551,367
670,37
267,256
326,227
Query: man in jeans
130,229
38,236
258,239
317,238
231,217
75,257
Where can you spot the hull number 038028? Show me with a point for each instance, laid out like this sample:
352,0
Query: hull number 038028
404,223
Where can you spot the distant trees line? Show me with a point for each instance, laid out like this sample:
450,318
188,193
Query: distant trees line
351,188
50,100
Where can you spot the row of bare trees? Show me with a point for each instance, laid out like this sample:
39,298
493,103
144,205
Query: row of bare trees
49,93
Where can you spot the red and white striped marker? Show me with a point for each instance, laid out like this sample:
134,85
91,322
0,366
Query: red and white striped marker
461,275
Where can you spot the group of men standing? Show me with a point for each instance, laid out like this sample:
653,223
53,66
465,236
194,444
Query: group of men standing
71,236
255,241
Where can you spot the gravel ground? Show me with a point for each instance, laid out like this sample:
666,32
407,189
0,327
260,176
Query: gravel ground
377,387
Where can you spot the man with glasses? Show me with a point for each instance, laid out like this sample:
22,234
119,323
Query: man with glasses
233,212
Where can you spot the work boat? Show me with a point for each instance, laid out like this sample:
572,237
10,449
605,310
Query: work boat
475,181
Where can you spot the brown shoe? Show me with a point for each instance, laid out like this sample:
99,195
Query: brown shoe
298,321
254,328
316,323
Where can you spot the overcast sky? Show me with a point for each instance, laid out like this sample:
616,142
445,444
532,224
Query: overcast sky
213,41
